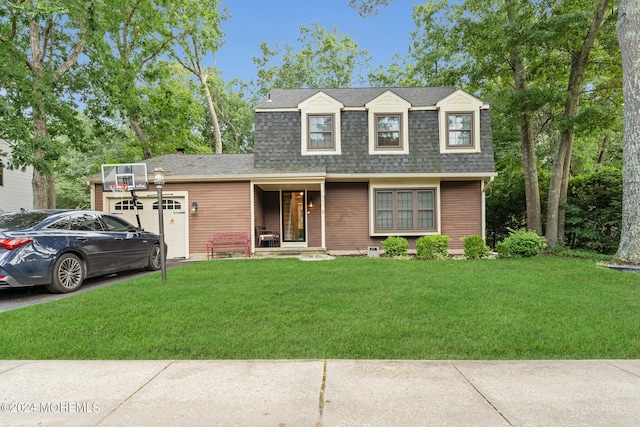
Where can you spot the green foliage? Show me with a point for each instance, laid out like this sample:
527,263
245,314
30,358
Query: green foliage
503,250
434,246
322,58
474,247
235,115
395,246
522,243
594,211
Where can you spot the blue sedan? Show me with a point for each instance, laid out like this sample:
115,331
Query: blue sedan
61,248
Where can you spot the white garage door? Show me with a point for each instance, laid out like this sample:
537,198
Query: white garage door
174,218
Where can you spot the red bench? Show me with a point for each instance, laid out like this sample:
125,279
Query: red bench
222,242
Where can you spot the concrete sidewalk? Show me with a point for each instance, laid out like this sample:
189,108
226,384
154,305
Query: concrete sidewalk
320,393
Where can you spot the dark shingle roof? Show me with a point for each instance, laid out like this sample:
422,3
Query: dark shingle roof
358,97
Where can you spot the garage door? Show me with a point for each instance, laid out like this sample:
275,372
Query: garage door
174,218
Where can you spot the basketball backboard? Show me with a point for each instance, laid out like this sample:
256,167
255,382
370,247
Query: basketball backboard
125,177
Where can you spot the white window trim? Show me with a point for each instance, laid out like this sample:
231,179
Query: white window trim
323,105
459,102
388,104
427,185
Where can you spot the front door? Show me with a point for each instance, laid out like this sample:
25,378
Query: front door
294,231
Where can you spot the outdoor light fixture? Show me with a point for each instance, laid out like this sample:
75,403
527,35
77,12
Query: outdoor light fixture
158,176
158,180
194,208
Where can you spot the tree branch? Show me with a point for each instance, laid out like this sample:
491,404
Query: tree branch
162,47
45,43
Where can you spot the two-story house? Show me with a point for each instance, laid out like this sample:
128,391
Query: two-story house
337,170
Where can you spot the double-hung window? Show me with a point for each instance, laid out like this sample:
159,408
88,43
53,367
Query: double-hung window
388,131
321,132
405,210
320,126
460,130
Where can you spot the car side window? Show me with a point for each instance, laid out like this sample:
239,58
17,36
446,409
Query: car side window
62,224
116,224
85,222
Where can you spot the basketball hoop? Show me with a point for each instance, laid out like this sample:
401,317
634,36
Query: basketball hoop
119,189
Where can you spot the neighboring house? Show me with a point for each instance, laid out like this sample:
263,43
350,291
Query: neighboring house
337,170
16,191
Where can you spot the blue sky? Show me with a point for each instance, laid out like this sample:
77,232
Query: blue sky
277,21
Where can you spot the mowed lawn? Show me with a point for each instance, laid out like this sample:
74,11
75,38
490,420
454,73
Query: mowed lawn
533,308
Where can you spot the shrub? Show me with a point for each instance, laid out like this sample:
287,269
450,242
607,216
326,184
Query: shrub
434,246
474,247
395,246
524,243
503,250
594,211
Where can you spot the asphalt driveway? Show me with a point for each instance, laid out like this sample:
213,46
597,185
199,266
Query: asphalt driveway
10,299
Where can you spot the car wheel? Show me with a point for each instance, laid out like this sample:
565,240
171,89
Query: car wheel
154,258
68,274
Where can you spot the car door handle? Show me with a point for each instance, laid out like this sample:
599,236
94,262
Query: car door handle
81,239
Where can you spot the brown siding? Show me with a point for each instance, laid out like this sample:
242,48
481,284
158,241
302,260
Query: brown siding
272,210
98,197
461,215
259,210
347,217
314,221
222,206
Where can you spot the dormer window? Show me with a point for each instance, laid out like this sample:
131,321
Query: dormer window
460,132
388,116
389,131
320,125
321,132
459,123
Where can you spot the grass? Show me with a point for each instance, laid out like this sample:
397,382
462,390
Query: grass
535,308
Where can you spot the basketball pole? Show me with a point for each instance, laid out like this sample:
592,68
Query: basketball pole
134,198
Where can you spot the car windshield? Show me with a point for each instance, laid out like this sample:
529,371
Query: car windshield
21,220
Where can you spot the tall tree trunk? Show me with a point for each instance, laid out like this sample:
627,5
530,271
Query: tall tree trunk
564,191
628,36
212,112
43,181
134,124
562,158
603,150
529,159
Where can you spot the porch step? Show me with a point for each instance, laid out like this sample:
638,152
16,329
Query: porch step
287,252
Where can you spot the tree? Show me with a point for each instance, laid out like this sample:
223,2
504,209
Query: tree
562,159
40,42
321,59
235,115
628,36
131,37
368,7
197,23
532,60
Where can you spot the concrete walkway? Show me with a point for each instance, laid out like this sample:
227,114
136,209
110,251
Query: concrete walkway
320,393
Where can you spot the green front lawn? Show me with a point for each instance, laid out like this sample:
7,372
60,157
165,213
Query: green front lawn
534,308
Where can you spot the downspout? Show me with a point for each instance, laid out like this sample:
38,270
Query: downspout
488,184
485,187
